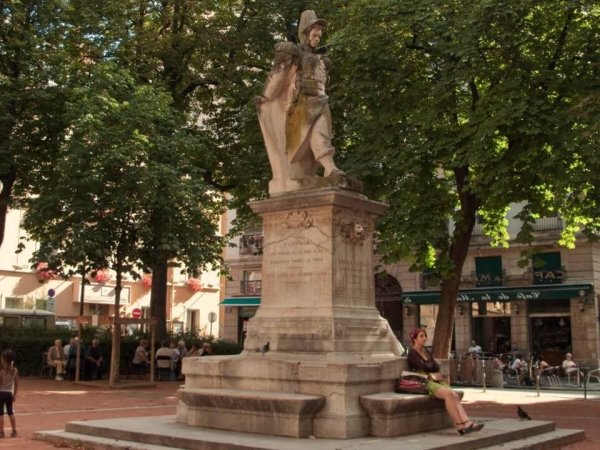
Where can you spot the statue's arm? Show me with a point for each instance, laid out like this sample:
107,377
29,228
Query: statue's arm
278,81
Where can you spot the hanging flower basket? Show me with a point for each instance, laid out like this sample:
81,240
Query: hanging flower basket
194,284
43,273
102,276
146,281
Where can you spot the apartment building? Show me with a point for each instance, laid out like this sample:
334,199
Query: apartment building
544,304
23,289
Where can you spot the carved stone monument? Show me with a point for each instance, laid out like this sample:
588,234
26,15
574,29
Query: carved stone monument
317,343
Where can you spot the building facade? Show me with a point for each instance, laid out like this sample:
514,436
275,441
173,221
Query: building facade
535,300
23,288
243,287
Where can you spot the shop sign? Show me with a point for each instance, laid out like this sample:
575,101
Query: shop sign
488,279
528,295
548,276
500,295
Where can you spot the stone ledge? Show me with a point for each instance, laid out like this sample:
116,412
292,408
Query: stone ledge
277,413
393,414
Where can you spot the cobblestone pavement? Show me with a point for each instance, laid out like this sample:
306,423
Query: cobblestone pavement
44,404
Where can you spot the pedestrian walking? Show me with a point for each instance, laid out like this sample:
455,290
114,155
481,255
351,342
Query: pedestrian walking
9,385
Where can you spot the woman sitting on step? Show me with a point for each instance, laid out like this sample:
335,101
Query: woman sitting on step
420,360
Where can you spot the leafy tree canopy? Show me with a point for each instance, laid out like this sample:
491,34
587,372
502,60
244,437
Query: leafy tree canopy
456,109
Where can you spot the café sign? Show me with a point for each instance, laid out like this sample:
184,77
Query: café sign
502,294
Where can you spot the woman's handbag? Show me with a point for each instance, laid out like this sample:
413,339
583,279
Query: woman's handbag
412,383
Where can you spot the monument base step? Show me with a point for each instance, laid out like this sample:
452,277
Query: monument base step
157,433
278,413
393,414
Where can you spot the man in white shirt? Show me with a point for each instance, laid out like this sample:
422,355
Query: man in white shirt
570,367
474,349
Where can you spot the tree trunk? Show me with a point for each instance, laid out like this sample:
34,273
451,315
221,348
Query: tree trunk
5,194
115,353
459,249
449,295
158,299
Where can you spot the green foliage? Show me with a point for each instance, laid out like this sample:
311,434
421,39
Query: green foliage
29,346
449,110
29,343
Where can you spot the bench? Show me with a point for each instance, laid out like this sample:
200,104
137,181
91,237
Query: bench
393,414
277,413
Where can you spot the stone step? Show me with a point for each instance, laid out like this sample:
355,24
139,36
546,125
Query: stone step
553,439
154,433
280,413
64,439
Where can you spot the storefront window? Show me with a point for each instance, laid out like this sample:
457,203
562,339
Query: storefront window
551,337
492,333
550,325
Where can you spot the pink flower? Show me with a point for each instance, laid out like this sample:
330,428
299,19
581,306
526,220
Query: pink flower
43,273
102,276
146,280
194,284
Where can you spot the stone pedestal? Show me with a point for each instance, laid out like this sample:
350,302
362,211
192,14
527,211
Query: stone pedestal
317,332
318,293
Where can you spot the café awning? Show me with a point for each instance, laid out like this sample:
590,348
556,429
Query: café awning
503,294
241,301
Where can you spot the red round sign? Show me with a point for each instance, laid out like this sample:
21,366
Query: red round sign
136,313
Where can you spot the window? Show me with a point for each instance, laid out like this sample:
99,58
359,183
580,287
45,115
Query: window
193,320
488,271
14,302
251,283
429,279
41,303
547,268
251,244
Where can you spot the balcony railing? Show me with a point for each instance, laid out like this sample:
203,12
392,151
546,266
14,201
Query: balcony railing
251,287
544,223
548,223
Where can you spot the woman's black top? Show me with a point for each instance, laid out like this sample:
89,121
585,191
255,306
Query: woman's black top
416,362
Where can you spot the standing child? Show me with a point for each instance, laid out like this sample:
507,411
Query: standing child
9,385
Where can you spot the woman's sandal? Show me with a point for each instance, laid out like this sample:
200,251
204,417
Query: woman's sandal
470,429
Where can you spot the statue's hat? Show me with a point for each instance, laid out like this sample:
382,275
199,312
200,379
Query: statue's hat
307,20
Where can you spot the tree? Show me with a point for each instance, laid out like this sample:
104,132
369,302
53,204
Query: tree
454,110
212,58
31,102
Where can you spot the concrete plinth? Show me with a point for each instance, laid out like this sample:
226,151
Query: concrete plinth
317,331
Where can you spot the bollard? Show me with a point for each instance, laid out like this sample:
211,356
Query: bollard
483,372
584,371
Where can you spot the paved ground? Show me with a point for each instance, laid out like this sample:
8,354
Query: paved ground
47,405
